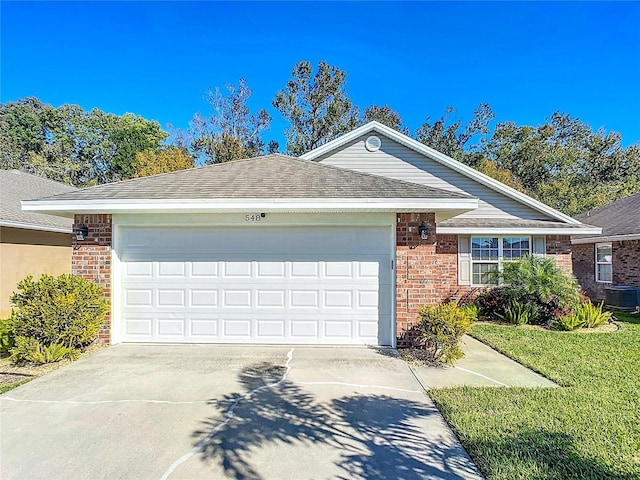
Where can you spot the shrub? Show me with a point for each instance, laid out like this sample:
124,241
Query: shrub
519,313
7,339
593,315
51,311
31,350
538,285
492,303
441,327
472,311
569,322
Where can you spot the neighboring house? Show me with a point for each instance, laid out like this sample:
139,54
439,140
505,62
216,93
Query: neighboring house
31,243
341,246
613,257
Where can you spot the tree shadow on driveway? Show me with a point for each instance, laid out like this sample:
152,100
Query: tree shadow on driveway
394,442
356,436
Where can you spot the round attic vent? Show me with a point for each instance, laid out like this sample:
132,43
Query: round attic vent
372,143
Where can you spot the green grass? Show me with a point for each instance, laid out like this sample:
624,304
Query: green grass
10,386
587,429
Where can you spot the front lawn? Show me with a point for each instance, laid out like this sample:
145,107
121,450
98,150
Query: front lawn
587,429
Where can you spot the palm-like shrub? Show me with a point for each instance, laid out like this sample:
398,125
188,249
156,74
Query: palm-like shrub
537,286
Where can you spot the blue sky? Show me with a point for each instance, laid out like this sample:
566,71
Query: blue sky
156,59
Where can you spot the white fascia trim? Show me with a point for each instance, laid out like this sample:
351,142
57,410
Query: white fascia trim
609,238
29,226
569,230
267,205
444,160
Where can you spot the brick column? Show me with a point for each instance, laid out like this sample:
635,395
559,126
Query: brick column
415,275
91,259
559,248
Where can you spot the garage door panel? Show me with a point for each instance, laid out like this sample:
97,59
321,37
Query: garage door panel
170,298
239,328
203,329
201,298
279,285
171,327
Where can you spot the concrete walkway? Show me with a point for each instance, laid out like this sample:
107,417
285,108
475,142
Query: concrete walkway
481,367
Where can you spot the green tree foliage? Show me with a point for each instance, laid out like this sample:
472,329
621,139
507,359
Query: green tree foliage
316,107
71,145
385,115
565,164
232,131
452,138
164,160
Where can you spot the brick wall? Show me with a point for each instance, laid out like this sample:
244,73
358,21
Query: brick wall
426,270
91,259
584,270
559,248
625,265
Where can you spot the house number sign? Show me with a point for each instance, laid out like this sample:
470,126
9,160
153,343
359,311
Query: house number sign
254,217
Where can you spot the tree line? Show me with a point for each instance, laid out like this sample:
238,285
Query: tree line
562,162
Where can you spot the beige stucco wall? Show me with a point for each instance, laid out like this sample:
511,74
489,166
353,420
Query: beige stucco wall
30,252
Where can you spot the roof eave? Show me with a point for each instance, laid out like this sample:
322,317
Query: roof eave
606,238
568,230
440,158
31,226
267,205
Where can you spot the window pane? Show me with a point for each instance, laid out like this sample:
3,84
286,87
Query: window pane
481,275
605,273
515,247
603,253
484,248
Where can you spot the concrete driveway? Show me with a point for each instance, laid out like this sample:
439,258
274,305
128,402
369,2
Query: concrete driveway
157,412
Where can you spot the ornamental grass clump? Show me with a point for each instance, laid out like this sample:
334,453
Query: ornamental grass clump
440,328
54,318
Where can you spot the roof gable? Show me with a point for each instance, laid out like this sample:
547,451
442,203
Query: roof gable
440,158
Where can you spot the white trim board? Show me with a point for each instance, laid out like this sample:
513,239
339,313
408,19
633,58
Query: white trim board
441,158
569,230
267,205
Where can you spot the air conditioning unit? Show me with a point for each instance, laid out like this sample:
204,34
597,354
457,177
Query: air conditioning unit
622,297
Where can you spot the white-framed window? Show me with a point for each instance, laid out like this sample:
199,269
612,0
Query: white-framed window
604,268
488,254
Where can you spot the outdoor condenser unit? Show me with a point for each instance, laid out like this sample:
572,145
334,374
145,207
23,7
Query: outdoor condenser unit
622,297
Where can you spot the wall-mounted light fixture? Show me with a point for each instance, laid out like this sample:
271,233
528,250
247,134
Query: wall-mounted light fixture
82,232
423,231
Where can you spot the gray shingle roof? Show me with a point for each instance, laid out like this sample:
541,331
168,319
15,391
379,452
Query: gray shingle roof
16,186
271,176
618,218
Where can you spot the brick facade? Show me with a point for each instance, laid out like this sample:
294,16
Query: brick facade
625,265
559,248
91,259
426,270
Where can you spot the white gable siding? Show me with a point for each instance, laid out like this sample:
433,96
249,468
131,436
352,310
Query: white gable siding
399,162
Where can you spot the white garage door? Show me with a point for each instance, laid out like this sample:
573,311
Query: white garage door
304,285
